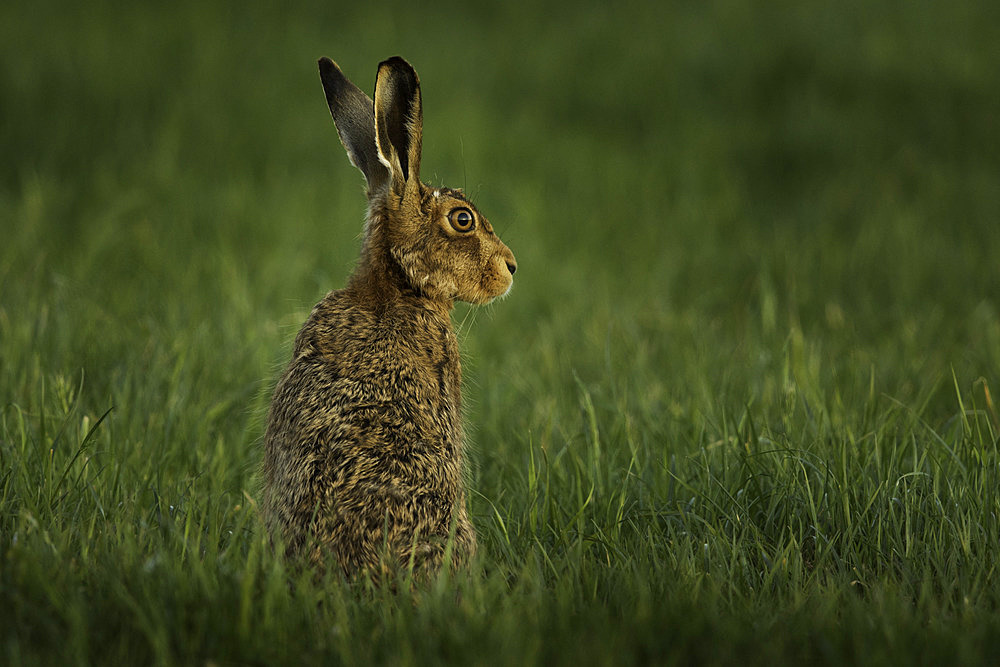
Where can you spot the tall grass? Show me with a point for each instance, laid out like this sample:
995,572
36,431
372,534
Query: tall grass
742,403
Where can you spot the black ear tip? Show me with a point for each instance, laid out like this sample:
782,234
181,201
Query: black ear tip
398,69
333,79
398,64
326,66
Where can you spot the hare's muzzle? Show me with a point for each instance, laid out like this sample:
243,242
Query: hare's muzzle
506,258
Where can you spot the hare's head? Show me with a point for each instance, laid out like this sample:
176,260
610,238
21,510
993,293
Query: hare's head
444,248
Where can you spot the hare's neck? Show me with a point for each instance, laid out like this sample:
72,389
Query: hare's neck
379,280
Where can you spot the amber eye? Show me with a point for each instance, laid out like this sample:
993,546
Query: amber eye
462,219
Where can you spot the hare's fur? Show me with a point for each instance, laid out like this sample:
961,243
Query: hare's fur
363,460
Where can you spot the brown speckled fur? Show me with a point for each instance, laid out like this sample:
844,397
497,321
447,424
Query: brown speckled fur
363,454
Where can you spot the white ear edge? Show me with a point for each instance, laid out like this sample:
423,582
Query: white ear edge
383,159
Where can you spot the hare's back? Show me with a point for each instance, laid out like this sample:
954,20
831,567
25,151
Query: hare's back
388,379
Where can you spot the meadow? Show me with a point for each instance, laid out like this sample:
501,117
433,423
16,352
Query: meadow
742,404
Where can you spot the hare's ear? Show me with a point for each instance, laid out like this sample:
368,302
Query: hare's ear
398,120
353,113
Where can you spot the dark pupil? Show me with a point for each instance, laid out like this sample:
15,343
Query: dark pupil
464,218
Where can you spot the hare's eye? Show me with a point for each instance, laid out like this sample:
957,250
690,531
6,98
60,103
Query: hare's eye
462,219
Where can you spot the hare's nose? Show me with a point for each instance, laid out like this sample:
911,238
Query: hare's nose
512,267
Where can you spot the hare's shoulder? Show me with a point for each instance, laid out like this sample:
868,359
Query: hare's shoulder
343,327
403,348
355,368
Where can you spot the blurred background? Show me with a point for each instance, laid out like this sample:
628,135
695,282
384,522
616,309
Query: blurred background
741,387
702,196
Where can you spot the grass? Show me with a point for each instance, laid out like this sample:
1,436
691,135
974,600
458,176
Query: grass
742,404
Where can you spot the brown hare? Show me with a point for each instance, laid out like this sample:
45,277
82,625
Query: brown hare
363,454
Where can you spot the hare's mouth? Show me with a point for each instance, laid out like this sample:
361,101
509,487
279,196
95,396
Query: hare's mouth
506,277
487,293
510,286
499,293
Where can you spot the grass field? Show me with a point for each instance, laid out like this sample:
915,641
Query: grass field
743,403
